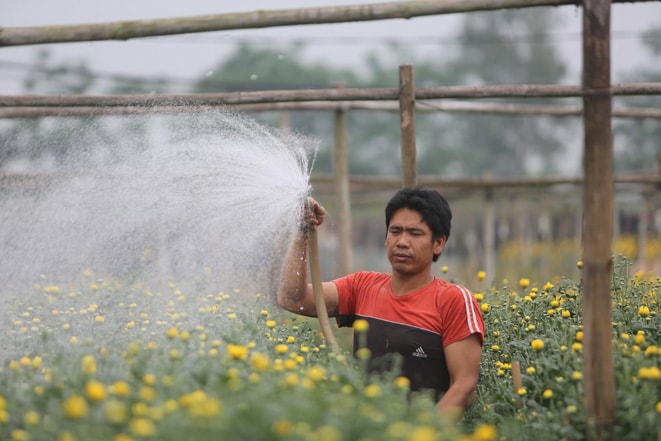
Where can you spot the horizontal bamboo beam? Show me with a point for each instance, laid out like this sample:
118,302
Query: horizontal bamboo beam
363,183
370,182
126,30
383,106
332,94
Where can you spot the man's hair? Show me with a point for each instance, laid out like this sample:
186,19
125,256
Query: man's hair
432,206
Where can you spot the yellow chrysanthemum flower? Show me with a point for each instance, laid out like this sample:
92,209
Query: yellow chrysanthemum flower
260,361
115,411
282,428
485,432
537,344
372,390
142,427
31,418
649,373
361,325
120,388
172,333
74,407
95,390
291,380
402,382
644,311
316,373
237,352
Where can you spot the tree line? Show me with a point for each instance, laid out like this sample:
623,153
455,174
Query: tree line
490,52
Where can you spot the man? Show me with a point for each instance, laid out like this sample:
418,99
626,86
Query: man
434,325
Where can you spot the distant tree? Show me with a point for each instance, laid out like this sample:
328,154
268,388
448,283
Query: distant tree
636,141
501,47
256,68
376,135
52,141
48,78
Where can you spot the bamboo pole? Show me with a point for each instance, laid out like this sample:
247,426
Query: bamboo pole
644,213
320,303
488,234
372,183
341,166
126,30
598,201
517,383
407,124
325,183
303,95
420,106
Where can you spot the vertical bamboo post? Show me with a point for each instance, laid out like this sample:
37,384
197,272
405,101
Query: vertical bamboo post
599,381
516,381
285,121
342,189
644,213
488,233
407,124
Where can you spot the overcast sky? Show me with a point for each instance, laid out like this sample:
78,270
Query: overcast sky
190,56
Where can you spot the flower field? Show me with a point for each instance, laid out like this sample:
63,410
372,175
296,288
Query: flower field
92,359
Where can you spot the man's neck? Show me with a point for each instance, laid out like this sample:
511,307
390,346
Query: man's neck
403,284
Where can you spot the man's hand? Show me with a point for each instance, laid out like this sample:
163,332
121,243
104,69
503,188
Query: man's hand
313,215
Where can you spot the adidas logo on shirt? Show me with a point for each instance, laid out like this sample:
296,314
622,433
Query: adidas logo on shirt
419,353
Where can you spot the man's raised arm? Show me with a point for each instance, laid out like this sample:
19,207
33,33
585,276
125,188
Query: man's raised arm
294,292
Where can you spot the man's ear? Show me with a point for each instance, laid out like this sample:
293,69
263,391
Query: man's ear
439,244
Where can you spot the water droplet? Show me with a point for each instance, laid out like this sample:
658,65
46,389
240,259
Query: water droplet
253,77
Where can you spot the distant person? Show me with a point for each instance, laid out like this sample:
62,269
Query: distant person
436,326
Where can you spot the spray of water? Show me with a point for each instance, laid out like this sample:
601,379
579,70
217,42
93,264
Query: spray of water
215,202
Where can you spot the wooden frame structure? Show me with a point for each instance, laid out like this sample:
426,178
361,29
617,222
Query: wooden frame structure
596,92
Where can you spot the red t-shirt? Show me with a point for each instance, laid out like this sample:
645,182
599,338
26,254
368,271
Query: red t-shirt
417,325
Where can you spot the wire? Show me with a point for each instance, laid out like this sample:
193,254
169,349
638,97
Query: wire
417,41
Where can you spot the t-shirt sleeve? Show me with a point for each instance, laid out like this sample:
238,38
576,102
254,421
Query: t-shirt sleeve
461,316
346,300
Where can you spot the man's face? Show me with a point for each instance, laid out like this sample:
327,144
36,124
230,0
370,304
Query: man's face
409,242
